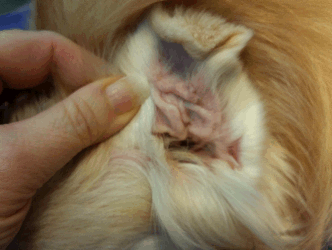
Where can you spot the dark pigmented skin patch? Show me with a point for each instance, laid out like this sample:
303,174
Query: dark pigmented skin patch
175,56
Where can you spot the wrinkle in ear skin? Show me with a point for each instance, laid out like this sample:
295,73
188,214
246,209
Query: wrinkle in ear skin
207,128
196,141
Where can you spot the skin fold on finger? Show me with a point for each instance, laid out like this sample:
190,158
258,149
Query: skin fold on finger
28,57
11,223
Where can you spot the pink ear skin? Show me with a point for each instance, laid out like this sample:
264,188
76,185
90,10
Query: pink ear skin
187,110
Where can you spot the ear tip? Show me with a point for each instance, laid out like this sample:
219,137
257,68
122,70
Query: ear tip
245,37
239,39
248,34
199,32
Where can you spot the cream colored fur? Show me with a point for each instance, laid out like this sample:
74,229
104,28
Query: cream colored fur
104,201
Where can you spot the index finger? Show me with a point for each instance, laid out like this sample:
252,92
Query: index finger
28,57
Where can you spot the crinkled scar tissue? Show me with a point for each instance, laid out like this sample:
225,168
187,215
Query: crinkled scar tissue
201,128
231,147
204,105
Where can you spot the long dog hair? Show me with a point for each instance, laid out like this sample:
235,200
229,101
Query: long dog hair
266,65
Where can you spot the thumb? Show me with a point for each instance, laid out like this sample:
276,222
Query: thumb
38,147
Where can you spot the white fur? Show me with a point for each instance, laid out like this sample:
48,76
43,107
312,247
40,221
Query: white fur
195,205
222,199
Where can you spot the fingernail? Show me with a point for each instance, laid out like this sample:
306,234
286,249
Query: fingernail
122,96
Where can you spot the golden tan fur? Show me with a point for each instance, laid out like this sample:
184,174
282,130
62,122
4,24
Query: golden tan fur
289,63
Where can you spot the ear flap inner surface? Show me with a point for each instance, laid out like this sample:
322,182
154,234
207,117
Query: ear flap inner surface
198,53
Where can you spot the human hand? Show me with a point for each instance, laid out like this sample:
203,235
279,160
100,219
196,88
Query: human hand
32,150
